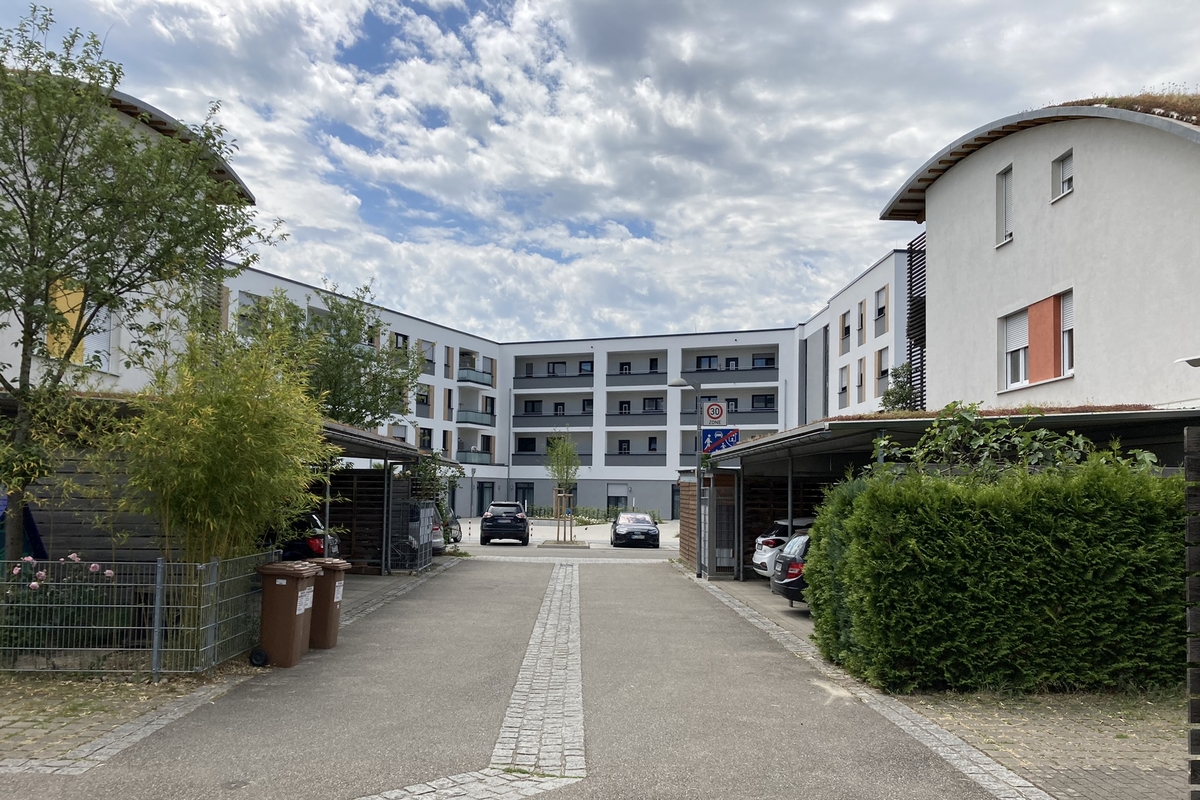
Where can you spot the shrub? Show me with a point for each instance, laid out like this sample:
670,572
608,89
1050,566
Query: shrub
1062,579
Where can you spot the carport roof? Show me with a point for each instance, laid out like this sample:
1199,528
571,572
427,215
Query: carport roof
857,436
357,443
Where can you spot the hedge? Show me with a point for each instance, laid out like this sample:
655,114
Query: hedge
1060,580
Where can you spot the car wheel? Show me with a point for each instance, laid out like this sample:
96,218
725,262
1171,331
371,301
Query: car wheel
655,545
525,542
483,540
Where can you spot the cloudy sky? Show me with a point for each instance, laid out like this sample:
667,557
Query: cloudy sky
563,168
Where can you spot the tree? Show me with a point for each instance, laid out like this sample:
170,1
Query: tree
95,213
227,442
562,461
359,379
901,395
432,476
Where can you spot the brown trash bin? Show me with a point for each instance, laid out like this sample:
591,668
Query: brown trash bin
327,601
286,610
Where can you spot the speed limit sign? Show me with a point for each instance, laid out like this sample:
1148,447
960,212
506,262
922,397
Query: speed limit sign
714,413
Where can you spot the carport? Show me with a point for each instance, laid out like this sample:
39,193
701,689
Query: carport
784,475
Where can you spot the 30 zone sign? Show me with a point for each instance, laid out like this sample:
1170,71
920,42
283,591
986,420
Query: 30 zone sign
714,413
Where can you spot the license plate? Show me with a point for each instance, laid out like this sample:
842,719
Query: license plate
637,536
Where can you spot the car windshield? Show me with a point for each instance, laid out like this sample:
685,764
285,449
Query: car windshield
634,519
795,546
505,511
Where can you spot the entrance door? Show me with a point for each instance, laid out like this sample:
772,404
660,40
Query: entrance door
675,501
525,495
485,492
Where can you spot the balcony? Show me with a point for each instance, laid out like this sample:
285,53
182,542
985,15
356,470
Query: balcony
635,459
636,379
711,377
642,419
469,375
539,459
581,380
422,410
476,417
430,367
469,457
551,420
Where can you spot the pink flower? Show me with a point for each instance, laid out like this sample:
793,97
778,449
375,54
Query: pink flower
108,573
61,560
75,557
16,570
28,559
41,576
94,568
34,585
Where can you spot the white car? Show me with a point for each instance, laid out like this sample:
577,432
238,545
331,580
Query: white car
768,545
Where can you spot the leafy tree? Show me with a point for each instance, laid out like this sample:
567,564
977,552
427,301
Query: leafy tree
900,394
227,442
562,460
432,476
359,379
95,213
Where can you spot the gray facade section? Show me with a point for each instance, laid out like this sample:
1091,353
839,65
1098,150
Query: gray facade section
817,380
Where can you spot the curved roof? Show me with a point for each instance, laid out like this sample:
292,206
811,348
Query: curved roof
909,203
169,126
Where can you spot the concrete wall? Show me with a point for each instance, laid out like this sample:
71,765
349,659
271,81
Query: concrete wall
1123,241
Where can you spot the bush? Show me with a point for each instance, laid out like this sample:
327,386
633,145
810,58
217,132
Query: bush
586,515
1063,579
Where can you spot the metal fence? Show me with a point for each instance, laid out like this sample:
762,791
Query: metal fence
411,547
153,617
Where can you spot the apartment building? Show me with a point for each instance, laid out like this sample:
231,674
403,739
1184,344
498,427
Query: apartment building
1057,264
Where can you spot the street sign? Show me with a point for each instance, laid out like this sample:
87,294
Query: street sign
715,439
714,413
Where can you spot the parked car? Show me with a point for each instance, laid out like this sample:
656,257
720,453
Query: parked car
768,545
439,537
452,527
307,538
504,521
788,577
633,528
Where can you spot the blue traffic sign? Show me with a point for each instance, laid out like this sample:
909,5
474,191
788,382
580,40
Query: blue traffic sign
715,439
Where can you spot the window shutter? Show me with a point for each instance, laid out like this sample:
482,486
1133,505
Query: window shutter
98,340
1068,311
1008,203
1016,331
1068,168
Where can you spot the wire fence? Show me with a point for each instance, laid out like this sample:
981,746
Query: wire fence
153,617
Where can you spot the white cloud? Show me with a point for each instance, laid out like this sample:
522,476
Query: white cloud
610,166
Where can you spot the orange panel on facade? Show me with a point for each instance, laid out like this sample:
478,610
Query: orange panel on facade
1045,339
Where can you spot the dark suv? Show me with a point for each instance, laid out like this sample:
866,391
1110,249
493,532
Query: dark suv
504,521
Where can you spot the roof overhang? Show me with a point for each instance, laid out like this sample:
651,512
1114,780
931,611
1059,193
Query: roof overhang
167,125
357,443
908,204
856,437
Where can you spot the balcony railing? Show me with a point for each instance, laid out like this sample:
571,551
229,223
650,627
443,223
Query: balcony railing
637,419
422,410
470,457
476,417
714,376
468,375
539,459
551,420
635,459
555,381
636,379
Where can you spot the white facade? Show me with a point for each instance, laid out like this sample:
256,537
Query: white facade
1061,260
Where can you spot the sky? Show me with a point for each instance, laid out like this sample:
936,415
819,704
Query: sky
574,168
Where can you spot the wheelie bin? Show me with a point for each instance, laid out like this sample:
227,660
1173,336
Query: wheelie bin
287,604
327,602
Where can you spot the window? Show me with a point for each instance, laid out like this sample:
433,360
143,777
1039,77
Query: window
705,400
448,367
587,405
731,363
399,432
560,409
881,304
485,443
762,402
861,384
1016,349
623,446
489,405
97,342
529,369
445,441
425,442
706,362
1004,206
626,367
1067,309
533,406
731,405
489,366
881,371
585,367
652,404
862,322
524,494
526,444
623,407
843,387
652,444
654,365
400,340
844,327
1062,175
556,368
422,395
763,361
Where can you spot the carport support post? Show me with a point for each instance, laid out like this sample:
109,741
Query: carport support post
790,530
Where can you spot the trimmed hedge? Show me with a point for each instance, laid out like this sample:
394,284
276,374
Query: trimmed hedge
1065,579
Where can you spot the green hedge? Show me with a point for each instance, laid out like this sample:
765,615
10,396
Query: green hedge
1067,579
586,515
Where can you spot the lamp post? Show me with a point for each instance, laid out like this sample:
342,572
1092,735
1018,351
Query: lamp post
471,494
680,383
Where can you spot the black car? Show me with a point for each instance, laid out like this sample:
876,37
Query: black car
307,538
788,577
504,521
633,528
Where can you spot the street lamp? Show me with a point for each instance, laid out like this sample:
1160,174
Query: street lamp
680,383
471,494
